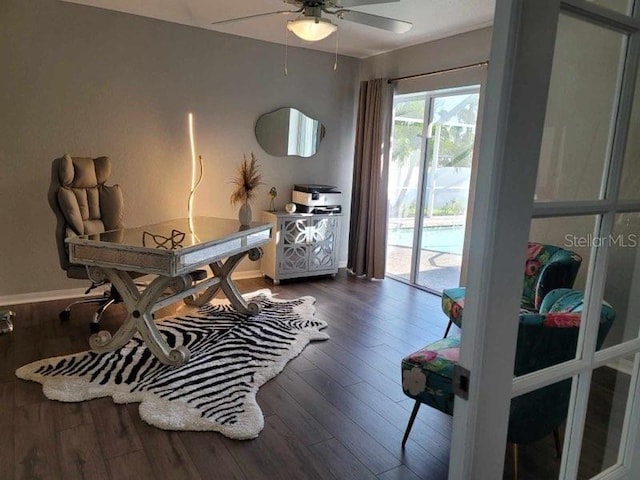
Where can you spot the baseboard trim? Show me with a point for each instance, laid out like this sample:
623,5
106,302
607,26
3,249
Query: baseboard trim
245,274
37,297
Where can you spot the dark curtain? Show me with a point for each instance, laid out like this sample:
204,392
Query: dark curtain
368,224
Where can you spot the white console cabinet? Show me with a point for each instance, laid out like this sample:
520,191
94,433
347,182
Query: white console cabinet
302,245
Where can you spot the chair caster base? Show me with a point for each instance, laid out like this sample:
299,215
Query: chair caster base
6,325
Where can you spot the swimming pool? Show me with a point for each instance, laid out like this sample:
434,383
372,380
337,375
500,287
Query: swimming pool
448,239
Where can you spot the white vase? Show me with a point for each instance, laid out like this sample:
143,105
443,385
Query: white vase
244,215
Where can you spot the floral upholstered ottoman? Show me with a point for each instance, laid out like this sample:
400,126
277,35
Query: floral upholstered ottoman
427,373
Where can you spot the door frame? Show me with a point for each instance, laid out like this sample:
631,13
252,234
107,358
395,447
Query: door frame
517,89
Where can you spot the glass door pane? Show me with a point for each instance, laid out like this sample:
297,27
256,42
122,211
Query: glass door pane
451,131
608,398
405,169
578,123
535,436
630,183
622,287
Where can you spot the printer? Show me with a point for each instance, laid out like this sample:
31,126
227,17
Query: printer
316,199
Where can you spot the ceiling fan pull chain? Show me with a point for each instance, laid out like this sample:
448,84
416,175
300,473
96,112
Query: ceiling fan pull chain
335,65
286,51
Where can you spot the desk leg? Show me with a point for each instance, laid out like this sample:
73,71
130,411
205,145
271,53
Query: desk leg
223,271
139,306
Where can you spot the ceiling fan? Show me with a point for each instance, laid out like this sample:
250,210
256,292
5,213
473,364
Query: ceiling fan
312,26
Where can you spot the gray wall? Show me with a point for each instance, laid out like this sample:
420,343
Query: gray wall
94,82
464,49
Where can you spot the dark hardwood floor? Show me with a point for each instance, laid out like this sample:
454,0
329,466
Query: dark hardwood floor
336,412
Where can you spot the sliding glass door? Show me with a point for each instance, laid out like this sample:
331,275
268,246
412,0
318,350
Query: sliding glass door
429,179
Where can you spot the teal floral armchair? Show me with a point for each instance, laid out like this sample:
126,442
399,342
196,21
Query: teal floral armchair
545,338
547,268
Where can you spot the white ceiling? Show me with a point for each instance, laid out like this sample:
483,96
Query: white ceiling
432,19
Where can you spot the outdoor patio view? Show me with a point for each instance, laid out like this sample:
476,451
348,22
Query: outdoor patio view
429,177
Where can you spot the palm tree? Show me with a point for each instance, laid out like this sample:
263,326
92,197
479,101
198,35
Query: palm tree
407,138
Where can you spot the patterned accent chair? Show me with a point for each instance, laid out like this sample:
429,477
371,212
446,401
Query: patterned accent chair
547,268
545,338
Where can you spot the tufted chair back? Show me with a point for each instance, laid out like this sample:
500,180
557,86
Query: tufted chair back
547,267
83,204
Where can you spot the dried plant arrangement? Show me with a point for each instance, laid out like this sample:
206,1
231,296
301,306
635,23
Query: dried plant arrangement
246,181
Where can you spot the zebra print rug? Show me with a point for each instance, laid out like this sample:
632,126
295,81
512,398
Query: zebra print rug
232,355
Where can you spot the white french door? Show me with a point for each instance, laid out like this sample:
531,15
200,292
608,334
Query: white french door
559,163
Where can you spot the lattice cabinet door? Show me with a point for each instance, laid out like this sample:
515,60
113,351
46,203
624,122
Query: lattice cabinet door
294,254
303,245
323,235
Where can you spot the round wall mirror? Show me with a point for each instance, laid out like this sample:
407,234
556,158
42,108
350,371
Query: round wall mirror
289,132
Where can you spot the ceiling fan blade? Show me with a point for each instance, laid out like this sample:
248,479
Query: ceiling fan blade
384,23
357,3
279,12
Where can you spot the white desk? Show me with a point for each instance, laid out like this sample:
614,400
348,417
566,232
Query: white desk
170,251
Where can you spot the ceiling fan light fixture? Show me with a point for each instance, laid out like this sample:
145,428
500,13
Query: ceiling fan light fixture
311,29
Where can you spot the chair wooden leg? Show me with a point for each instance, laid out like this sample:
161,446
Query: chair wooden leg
514,452
416,407
446,332
556,439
